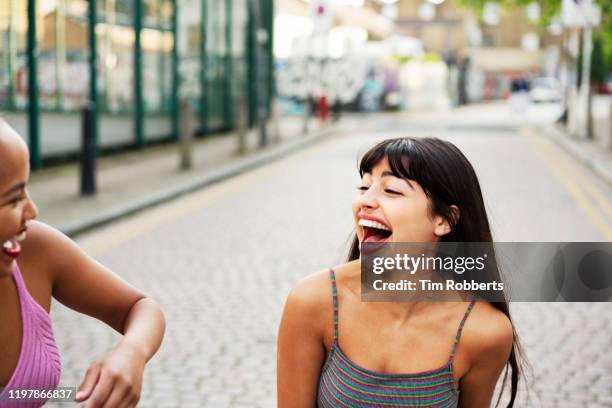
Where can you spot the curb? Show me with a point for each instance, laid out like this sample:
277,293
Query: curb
198,182
562,139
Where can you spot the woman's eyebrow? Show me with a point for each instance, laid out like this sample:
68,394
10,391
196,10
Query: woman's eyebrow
15,188
388,173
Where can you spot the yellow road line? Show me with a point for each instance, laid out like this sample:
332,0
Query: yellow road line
106,238
570,185
599,197
594,192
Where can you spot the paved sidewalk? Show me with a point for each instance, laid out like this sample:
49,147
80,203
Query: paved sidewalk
590,152
595,153
132,181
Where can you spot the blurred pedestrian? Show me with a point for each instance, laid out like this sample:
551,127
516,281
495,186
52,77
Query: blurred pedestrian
49,265
336,109
371,92
519,94
336,351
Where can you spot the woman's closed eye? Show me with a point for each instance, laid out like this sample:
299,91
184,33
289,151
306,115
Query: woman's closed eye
386,190
16,200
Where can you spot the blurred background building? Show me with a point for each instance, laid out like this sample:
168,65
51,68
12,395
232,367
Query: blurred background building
284,56
372,55
149,54
489,50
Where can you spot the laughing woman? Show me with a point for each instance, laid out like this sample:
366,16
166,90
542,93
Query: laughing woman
37,263
336,351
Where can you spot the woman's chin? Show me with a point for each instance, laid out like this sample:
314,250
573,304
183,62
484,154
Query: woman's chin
6,265
5,272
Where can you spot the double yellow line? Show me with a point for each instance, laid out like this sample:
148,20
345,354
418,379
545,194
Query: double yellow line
592,201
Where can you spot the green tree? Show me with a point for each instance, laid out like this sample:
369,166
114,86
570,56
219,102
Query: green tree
605,32
599,68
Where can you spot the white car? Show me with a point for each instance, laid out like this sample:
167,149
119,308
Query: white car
545,89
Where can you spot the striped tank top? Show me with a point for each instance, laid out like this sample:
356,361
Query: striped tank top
38,366
345,384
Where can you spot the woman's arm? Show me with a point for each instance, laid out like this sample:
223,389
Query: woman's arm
86,286
117,379
301,349
488,346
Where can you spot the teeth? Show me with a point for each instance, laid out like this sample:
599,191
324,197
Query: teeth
373,224
12,243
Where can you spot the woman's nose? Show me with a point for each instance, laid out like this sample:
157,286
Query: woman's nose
368,199
30,210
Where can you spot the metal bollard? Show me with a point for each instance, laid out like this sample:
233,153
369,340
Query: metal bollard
337,110
186,135
88,151
306,116
241,123
276,136
263,128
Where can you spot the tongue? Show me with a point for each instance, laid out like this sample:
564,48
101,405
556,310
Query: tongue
374,235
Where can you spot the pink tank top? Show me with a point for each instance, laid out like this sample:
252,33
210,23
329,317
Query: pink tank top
39,365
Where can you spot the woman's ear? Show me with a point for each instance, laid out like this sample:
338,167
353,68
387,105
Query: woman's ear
444,225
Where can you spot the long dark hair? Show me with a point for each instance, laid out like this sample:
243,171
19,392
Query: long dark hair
448,178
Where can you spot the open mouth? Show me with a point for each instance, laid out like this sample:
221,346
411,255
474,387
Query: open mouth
374,231
12,247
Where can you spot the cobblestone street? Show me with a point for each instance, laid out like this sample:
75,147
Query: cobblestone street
222,260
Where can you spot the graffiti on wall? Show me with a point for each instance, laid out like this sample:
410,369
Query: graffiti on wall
338,79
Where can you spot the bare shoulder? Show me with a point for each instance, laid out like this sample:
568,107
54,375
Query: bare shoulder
488,333
310,305
41,236
43,247
312,294
46,248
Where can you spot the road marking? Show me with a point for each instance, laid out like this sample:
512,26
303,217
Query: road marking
105,238
572,186
568,163
599,197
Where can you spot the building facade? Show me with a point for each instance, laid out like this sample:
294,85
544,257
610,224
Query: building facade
144,57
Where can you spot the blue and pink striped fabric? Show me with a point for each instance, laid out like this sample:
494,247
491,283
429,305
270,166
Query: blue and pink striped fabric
345,384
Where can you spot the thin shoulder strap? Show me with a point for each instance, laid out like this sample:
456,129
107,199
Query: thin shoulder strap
18,278
25,299
460,329
332,276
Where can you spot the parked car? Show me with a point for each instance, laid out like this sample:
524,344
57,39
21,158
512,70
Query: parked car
605,87
545,89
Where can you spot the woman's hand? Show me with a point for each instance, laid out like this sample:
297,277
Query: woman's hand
116,381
